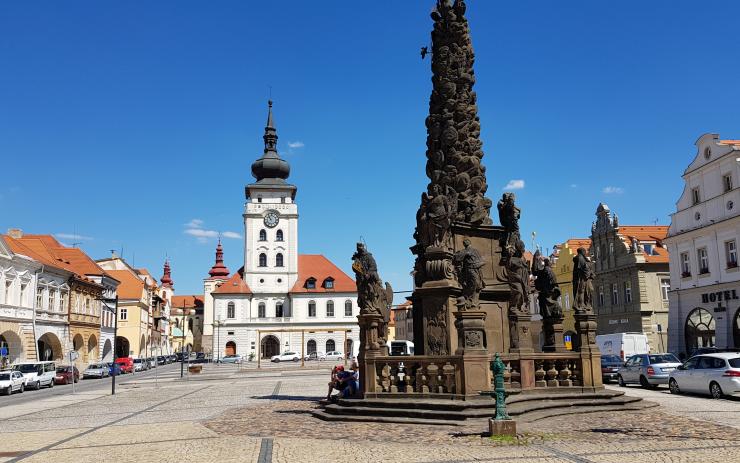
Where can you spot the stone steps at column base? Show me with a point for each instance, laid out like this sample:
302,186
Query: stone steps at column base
525,407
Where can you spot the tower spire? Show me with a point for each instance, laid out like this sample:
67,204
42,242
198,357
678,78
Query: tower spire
219,270
270,169
167,276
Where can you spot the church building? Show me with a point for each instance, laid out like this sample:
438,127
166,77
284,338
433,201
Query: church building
279,301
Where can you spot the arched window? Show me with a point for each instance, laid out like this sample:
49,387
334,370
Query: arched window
311,308
311,346
330,346
279,309
263,260
279,235
347,308
699,330
263,235
329,308
230,310
279,260
261,310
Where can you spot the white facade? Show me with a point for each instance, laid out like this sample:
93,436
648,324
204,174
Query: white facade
702,242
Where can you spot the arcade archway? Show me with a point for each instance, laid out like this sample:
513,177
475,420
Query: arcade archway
269,346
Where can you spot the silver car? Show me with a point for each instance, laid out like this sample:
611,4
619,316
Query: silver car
96,370
647,370
714,374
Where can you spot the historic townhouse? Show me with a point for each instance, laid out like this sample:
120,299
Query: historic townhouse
703,239
279,300
186,320
632,280
18,276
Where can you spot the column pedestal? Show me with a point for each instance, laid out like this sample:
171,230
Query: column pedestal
590,354
553,329
371,346
472,346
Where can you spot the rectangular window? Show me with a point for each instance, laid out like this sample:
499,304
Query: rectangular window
727,182
665,286
124,313
601,296
39,297
348,309
261,310
695,197
52,299
329,309
731,253
685,265
62,301
703,260
627,292
312,309
24,287
615,294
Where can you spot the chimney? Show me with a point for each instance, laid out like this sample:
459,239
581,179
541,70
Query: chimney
16,233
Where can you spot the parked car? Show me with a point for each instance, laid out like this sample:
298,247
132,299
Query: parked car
610,365
152,362
714,374
234,358
647,370
315,356
711,350
11,381
623,345
141,365
200,355
67,374
286,357
96,370
334,355
37,374
172,358
161,360
126,364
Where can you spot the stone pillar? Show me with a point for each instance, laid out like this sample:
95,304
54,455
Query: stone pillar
371,347
473,347
521,343
553,329
590,354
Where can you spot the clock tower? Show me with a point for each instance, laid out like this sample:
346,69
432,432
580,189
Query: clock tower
270,221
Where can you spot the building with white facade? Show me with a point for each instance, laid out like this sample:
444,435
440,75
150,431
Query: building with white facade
703,238
279,300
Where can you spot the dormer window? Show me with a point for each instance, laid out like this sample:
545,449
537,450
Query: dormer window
263,235
329,283
311,283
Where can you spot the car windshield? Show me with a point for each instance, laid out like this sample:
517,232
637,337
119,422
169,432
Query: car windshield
5,377
734,363
62,369
93,366
663,358
29,368
611,359
137,360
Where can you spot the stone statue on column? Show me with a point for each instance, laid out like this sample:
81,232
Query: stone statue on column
374,300
583,282
468,264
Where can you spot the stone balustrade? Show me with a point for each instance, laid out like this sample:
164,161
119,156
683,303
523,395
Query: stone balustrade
550,370
421,375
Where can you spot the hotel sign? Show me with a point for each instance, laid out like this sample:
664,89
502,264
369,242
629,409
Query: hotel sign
719,296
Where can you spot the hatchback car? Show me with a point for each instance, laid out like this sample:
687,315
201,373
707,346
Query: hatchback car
334,355
67,374
610,365
714,374
234,358
647,370
141,365
96,370
11,381
315,356
286,357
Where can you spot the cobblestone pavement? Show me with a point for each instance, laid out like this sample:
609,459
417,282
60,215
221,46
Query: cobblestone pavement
226,415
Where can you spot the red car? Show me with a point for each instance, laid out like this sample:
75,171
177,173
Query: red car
65,374
125,364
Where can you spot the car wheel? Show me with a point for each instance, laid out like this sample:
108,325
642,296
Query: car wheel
23,388
51,383
621,381
295,359
8,390
673,386
715,390
644,382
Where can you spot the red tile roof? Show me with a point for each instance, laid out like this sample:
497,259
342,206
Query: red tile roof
729,142
193,300
574,243
234,285
645,233
319,267
131,287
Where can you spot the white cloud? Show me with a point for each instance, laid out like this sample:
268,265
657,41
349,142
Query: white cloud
573,185
514,185
295,144
195,228
72,236
613,190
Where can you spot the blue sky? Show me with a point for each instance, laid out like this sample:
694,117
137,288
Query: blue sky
123,122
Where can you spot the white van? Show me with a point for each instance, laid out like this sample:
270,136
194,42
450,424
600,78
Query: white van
402,348
37,374
623,345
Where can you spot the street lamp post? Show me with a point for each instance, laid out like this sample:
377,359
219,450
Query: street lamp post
218,324
115,339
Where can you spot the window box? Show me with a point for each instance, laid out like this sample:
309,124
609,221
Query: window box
703,271
685,274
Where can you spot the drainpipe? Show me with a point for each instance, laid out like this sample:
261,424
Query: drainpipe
33,322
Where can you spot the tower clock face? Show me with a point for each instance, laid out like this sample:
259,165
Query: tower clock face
271,218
